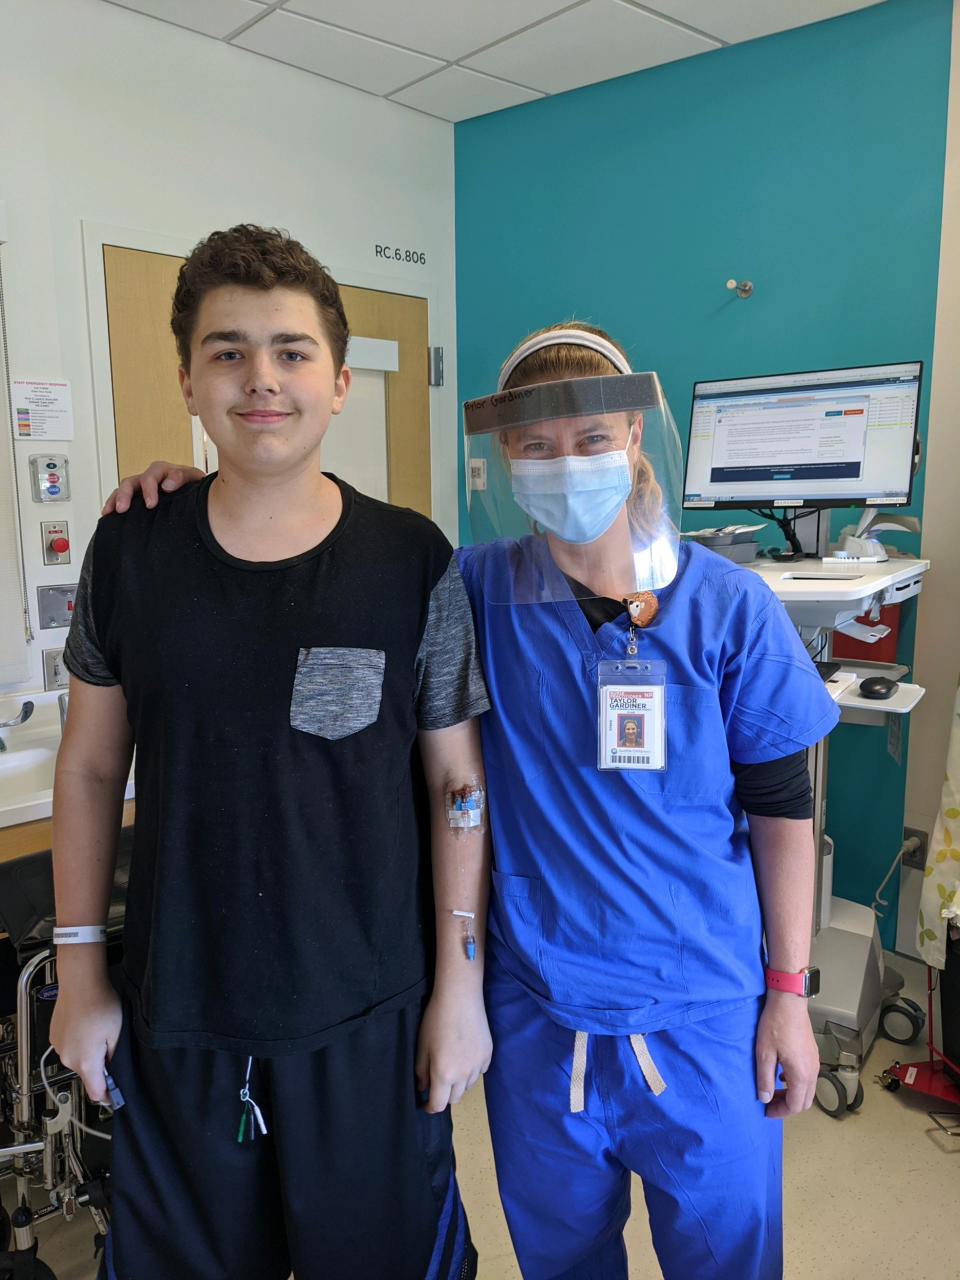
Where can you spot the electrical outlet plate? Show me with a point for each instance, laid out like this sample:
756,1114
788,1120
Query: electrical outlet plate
55,605
916,858
55,674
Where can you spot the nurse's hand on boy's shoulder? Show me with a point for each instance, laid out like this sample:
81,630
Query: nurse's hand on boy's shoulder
159,475
454,1047
785,1039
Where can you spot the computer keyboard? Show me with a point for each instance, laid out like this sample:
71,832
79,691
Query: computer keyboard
827,669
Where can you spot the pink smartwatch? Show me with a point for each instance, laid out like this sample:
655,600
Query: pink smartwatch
805,983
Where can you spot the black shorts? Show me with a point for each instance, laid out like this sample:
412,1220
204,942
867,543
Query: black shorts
353,1181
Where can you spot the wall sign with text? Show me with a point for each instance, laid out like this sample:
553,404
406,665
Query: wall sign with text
393,254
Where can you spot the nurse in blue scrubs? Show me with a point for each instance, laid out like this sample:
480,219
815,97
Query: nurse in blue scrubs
650,807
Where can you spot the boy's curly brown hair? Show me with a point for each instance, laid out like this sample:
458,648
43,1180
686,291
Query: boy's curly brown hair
258,258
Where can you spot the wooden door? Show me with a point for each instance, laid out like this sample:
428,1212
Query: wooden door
372,314
150,416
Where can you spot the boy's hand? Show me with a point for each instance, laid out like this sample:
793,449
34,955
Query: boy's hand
785,1037
84,1031
454,1047
167,476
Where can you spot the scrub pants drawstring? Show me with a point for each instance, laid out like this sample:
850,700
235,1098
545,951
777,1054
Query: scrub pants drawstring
646,1064
638,1044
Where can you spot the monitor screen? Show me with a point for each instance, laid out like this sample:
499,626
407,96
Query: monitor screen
828,438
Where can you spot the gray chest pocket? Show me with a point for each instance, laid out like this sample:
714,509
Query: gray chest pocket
336,692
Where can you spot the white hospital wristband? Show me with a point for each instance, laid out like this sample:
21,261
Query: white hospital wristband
79,933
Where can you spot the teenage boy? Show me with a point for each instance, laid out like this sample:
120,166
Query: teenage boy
295,664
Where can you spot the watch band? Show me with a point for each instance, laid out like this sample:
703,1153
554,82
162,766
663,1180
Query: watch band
805,983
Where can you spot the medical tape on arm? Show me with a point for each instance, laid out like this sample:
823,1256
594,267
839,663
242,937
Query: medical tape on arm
466,813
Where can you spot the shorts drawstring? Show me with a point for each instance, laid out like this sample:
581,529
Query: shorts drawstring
250,1110
578,1071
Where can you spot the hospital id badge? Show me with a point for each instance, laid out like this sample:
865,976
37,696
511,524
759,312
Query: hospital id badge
632,718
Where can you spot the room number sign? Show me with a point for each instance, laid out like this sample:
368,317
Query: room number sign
393,254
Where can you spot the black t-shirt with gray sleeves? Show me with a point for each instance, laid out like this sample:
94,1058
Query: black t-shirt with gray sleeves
280,888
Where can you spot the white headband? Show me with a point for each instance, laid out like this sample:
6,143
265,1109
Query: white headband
562,337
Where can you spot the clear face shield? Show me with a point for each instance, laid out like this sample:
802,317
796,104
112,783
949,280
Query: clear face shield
586,475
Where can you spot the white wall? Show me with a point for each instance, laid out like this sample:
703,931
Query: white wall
937,647
113,118
937,650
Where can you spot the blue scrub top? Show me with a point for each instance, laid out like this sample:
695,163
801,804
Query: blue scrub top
626,901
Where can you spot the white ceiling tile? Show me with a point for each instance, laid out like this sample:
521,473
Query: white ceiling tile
537,46
596,41
735,20
446,28
327,51
212,17
459,94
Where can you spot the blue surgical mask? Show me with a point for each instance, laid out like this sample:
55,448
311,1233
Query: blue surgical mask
576,499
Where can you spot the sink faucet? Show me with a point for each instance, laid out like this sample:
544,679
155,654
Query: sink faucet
62,704
26,711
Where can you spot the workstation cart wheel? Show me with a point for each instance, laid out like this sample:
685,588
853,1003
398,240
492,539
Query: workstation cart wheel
830,1095
902,1020
857,1098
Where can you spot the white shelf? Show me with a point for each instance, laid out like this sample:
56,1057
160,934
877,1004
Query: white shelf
826,596
855,709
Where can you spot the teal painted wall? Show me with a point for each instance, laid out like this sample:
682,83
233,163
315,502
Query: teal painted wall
809,162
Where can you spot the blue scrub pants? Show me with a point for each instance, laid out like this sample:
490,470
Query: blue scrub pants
709,1158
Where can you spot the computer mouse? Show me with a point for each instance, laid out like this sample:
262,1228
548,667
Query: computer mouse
877,687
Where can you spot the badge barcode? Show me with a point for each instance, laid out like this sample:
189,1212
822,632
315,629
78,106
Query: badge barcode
623,758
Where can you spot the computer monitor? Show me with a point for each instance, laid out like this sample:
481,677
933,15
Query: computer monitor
827,438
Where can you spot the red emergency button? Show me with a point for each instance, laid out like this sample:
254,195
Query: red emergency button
60,545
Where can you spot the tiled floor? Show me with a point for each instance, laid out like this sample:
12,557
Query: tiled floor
873,1196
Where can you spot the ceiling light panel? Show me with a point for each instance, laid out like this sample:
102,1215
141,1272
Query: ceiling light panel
735,20
339,55
459,94
211,17
596,41
447,29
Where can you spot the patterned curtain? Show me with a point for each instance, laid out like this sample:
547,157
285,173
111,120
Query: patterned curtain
940,896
